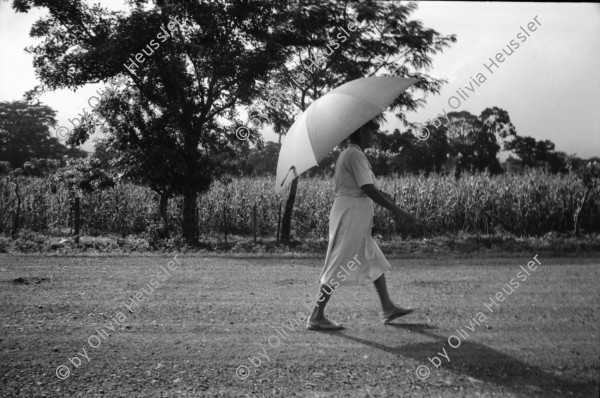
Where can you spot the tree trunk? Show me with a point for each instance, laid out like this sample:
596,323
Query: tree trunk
286,223
578,211
279,222
254,214
163,204
190,193
190,226
17,213
77,219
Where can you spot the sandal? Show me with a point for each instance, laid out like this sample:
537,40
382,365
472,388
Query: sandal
387,317
323,324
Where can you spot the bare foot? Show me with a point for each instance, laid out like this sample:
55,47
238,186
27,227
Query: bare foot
323,324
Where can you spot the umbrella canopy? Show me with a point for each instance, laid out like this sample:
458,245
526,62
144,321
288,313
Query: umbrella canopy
331,119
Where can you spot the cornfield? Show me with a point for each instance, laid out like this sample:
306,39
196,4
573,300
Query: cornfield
530,204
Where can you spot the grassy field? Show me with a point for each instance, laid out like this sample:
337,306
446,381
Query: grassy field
191,328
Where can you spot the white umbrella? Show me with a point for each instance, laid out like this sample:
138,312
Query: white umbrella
331,119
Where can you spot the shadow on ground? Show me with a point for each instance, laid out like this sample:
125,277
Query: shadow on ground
481,363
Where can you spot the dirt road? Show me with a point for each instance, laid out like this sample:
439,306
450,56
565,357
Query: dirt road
223,327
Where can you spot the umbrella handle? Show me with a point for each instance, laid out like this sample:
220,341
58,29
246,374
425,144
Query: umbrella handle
293,168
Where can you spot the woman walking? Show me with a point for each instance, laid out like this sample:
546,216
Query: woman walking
353,257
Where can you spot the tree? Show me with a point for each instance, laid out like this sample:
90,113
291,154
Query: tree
589,174
483,154
40,167
428,155
461,130
212,58
5,168
533,153
261,162
525,149
349,40
472,139
496,121
25,134
85,175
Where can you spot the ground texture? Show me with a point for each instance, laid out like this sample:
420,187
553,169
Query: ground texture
231,327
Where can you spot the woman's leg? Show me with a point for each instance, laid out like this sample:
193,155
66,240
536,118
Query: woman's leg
390,311
324,296
381,287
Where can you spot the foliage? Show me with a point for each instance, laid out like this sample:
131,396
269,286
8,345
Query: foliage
260,163
5,168
25,135
85,175
533,153
40,167
590,174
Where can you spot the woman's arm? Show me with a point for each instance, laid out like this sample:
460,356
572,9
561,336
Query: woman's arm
383,200
378,197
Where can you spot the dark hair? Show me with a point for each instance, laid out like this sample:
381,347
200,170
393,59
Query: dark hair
373,123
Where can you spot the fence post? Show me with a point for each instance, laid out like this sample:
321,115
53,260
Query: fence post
18,212
389,222
224,225
77,220
278,221
254,212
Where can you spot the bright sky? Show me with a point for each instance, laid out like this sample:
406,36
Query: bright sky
550,85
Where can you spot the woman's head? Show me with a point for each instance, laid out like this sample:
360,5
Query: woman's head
363,137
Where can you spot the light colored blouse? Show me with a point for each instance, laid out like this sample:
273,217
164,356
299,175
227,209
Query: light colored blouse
352,171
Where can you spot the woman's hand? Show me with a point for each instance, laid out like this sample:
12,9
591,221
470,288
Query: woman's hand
406,218
388,196
383,199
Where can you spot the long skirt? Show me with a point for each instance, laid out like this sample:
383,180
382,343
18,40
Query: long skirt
353,257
